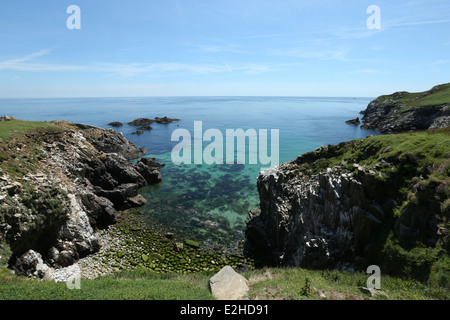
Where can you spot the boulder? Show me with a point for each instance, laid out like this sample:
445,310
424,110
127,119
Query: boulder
31,264
151,175
227,284
100,210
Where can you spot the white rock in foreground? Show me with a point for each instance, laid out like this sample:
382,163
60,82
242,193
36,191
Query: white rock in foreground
227,284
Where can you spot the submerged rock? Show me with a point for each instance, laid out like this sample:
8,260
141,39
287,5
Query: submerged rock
147,127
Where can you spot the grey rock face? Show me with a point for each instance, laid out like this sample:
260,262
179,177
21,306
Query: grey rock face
321,221
110,141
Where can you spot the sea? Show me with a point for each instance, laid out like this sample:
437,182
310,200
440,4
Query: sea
207,195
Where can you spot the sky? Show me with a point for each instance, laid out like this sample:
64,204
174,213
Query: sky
141,48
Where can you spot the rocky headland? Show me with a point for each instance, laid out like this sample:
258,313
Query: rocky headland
59,182
405,111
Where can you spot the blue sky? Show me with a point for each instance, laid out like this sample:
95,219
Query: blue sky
222,48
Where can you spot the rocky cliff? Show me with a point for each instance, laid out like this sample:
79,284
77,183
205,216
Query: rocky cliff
362,202
58,184
405,111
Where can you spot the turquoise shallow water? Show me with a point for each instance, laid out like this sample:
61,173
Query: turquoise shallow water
201,201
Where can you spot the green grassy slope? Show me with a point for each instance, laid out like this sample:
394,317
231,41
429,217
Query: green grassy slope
438,95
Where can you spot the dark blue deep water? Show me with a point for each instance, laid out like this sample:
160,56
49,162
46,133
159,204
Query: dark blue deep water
207,201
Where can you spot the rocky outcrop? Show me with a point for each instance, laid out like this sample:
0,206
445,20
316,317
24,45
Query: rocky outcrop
110,141
321,221
146,121
404,111
115,124
165,120
325,210
84,175
355,121
7,118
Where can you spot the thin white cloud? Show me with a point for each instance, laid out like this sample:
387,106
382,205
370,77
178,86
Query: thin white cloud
129,70
315,53
441,62
25,64
367,70
219,48
161,69
418,23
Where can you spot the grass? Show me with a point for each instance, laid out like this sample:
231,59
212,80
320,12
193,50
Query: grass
135,285
20,142
303,284
421,149
9,129
281,284
265,284
440,95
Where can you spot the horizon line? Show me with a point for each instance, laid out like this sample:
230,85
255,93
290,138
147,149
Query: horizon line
191,96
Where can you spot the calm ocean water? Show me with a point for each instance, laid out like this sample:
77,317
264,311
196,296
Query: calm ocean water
201,201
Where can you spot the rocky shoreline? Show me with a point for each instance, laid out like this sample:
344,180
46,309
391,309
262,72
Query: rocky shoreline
74,211
130,244
73,179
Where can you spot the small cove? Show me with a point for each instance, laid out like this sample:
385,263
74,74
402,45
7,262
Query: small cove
208,203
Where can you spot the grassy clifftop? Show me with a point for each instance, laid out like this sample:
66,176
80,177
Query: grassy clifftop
405,111
438,95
